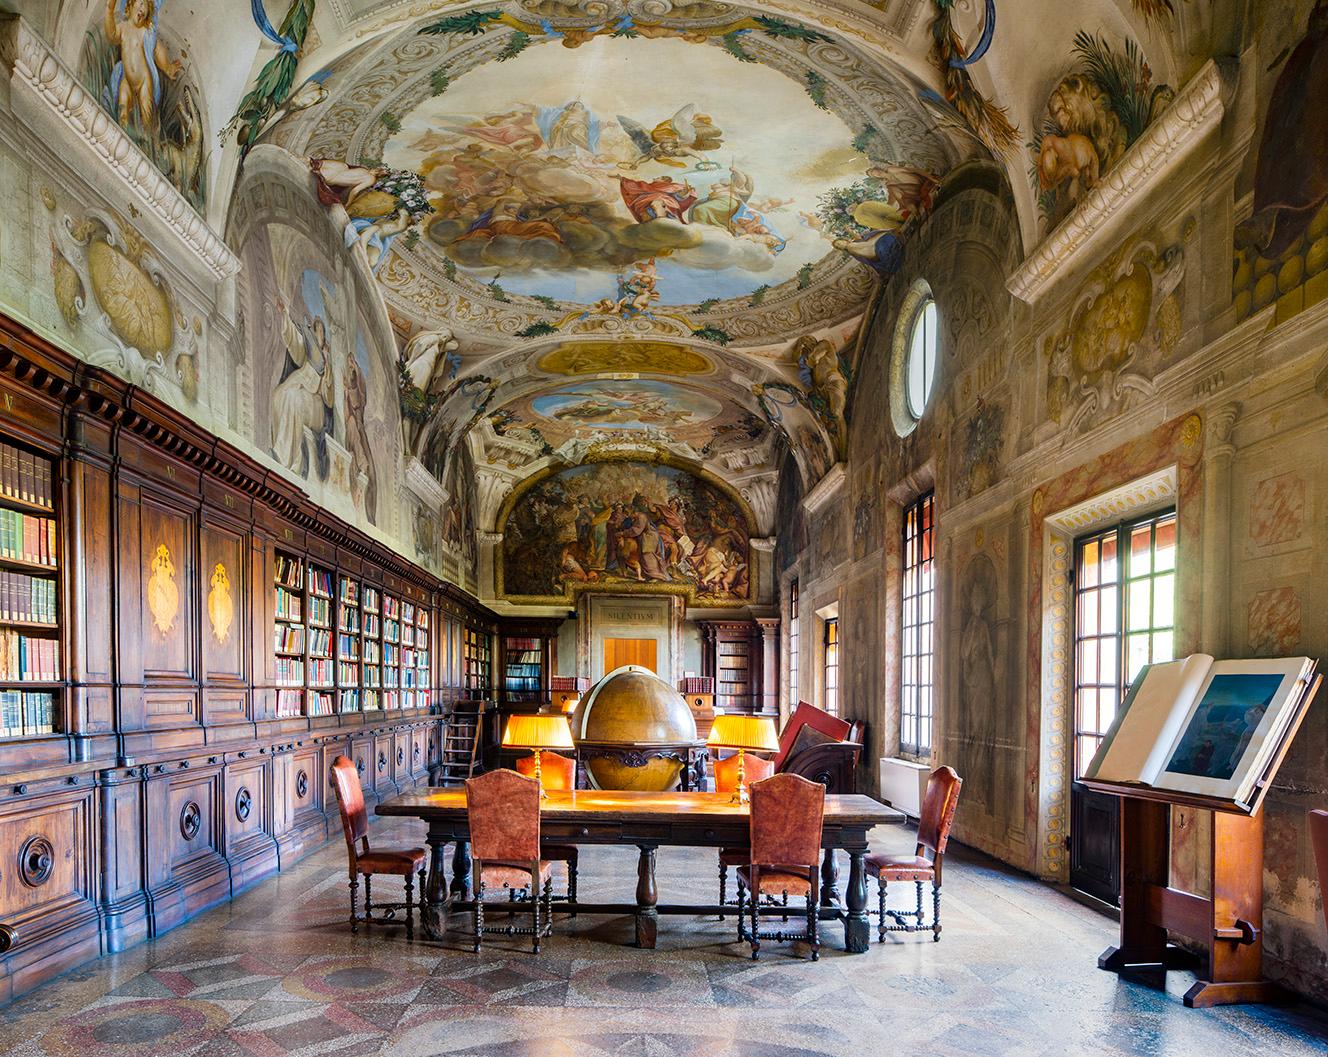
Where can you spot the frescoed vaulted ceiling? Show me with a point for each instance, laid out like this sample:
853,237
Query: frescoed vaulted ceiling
567,231
653,200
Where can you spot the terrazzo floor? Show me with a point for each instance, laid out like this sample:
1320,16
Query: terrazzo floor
276,972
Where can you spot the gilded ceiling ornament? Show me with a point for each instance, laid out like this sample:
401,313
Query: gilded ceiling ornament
163,592
221,605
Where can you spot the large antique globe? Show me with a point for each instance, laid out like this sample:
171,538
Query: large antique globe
634,731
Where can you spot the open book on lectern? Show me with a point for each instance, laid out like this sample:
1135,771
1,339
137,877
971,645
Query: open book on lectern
1202,726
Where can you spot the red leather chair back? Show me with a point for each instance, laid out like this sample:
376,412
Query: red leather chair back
754,768
350,802
1319,840
787,811
504,813
938,809
806,715
558,772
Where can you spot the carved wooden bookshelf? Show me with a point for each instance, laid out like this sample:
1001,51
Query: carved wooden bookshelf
31,673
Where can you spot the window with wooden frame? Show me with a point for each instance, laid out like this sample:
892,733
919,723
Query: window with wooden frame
917,621
794,644
830,666
1125,618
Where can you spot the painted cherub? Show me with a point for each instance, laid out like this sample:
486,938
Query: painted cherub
136,80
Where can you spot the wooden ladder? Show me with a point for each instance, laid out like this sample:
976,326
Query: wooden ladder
461,743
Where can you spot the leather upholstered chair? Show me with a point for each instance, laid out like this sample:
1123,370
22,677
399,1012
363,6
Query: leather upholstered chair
726,781
503,810
1319,839
557,772
787,812
366,861
936,818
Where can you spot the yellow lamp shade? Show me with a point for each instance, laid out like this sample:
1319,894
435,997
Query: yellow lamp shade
540,731
755,733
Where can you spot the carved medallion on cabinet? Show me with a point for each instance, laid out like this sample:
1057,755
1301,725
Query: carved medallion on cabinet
191,820
223,566
167,574
302,784
244,804
36,861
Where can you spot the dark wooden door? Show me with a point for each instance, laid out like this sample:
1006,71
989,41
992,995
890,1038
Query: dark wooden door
1095,843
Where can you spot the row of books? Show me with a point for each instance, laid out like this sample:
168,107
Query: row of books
28,599
288,605
288,638
371,599
348,617
694,684
24,713
373,652
526,657
320,671
320,582
25,658
349,593
289,572
320,612
26,477
290,671
319,703
391,630
391,607
320,642
348,674
350,700
26,537
372,626
348,647
290,702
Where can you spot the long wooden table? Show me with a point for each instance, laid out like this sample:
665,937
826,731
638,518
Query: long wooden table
648,821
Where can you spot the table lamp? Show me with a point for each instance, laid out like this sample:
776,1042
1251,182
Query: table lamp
538,731
742,733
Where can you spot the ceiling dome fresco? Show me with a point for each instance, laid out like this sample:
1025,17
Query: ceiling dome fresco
636,164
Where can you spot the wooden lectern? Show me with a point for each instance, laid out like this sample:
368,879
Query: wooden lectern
1227,926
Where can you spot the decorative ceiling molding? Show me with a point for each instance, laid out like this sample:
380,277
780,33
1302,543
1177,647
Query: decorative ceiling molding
826,489
1168,142
38,75
425,486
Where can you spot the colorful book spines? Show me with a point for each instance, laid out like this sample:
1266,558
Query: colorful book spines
320,612
23,713
26,477
27,538
289,572
26,599
289,605
289,702
28,659
289,638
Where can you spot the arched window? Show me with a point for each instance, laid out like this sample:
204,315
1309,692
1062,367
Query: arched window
920,368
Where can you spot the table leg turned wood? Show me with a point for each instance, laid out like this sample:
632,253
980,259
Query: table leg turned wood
829,879
436,899
647,898
857,926
461,871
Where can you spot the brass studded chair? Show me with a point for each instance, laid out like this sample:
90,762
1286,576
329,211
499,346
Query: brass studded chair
787,812
556,772
503,809
936,818
366,861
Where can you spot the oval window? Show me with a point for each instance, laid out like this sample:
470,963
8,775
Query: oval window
920,370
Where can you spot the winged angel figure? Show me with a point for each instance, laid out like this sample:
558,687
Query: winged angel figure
686,134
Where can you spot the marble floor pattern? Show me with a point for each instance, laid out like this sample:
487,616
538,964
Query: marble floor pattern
276,972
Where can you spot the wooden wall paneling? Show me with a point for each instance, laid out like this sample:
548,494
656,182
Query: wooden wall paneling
48,881
306,793
251,849
123,895
224,586
168,723
129,585
87,552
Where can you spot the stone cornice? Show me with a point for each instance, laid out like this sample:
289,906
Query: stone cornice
1166,143
425,486
36,71
825,489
